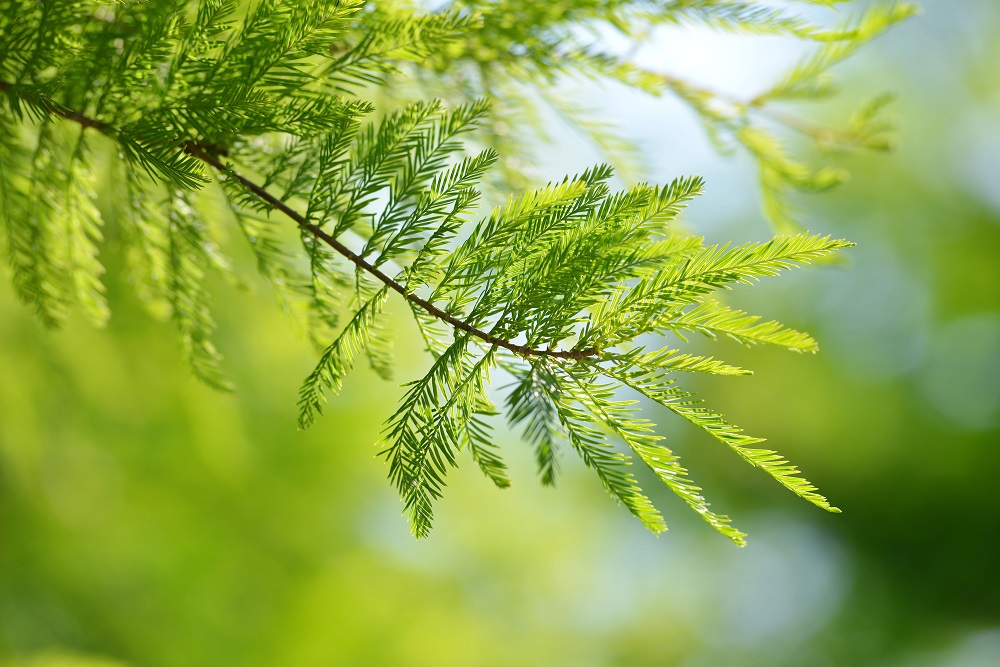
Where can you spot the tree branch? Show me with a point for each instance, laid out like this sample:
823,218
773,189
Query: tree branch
198,151
209,157
815,131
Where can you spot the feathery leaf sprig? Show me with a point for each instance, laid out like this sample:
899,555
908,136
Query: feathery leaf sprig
267,106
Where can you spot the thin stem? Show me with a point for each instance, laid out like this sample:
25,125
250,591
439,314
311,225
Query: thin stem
361,262
815,131
207,156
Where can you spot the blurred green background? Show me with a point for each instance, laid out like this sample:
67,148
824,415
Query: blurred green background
146,520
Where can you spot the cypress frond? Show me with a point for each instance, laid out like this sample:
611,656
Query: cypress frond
666,465
146,239
749,17
83,234
653,386
767,460
28,238
270,104
712,319
190,252
531,402
805,79
670,359
423,436
338,359
591,406
389,42
647,306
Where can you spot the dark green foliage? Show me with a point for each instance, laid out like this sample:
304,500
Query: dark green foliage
563,288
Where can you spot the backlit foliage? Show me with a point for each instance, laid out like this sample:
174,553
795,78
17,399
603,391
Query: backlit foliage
291,113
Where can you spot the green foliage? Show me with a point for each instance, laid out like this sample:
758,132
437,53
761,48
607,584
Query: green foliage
538,44
561,288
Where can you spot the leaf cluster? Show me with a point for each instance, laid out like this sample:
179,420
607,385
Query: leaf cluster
567,290
527,46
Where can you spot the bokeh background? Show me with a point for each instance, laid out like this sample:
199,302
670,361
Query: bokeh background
146,520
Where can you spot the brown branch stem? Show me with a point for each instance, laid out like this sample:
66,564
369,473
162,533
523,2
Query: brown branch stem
362,263
209,157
